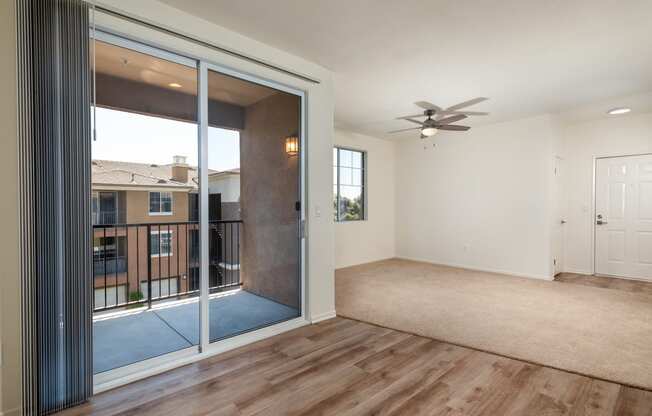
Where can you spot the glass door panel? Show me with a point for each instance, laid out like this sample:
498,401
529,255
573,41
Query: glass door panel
253,203
145,222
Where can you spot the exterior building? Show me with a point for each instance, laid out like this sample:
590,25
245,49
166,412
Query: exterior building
146,231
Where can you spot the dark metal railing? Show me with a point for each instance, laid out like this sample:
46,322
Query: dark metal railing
138,264
109,265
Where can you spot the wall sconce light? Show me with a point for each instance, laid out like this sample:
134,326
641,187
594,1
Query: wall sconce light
292,145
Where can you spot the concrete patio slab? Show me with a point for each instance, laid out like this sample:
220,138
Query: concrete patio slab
228,315
124,340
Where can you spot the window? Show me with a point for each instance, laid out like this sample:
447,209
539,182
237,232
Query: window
160,203
349,184
161,243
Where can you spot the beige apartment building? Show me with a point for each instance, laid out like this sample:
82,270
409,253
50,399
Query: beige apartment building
146,232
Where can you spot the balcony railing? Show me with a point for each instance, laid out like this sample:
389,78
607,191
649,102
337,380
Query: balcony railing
144,263
105,217
105,264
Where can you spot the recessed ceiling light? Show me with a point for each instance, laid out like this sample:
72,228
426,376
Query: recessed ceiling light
619,110
174,85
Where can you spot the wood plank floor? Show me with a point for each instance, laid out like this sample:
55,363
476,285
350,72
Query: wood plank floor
345,367
626,285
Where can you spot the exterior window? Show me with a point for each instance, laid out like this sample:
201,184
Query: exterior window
161,243
160,203
349,184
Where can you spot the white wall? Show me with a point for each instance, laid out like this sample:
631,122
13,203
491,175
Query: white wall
583,141
226,185
359,242
320,108
479,199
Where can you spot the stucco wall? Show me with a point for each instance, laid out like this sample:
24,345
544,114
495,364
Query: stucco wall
138,208
270,188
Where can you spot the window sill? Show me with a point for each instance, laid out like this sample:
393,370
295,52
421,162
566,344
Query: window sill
162,255
158,214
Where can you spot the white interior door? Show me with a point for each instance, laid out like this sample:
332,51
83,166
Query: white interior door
623,222
558,219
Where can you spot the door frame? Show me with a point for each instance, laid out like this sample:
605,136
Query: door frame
146,368
594,209
559,201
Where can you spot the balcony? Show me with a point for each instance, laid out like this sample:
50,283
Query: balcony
146,282
106,217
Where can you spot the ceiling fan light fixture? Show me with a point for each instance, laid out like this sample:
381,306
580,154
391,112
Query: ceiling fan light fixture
428,131
619,110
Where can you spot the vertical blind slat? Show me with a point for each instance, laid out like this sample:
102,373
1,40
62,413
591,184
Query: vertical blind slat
55,223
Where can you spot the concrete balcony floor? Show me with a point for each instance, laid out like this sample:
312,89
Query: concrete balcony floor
130,336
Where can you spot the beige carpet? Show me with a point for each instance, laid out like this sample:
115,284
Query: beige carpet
603,333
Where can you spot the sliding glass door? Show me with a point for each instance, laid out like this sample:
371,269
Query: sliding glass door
253,176
197,213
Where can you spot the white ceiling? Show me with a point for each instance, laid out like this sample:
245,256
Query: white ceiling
529,56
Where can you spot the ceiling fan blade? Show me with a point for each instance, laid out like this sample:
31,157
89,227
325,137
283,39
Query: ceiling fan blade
467,103
402,130
453,127
468,113
413,116
427,106
413,121
451,119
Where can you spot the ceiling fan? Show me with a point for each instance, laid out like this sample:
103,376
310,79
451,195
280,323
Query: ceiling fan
443,117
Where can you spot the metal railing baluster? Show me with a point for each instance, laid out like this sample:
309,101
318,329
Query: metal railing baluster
149,266
127,260
104,257
225,260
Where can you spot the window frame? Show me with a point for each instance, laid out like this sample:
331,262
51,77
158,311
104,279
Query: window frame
160,203
363,186
158,233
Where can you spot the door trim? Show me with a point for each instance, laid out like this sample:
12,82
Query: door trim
594,210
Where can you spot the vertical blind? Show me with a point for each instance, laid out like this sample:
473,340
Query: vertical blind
54,145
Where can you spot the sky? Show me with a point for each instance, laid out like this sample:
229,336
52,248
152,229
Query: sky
138,138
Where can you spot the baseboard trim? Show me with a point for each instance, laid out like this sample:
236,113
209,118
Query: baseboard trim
360,263
479,269
323,317
578,271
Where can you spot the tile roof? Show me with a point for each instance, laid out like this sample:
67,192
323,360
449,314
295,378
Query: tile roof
112,172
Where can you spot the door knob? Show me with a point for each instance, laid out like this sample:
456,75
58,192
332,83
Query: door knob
563,222
600,222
